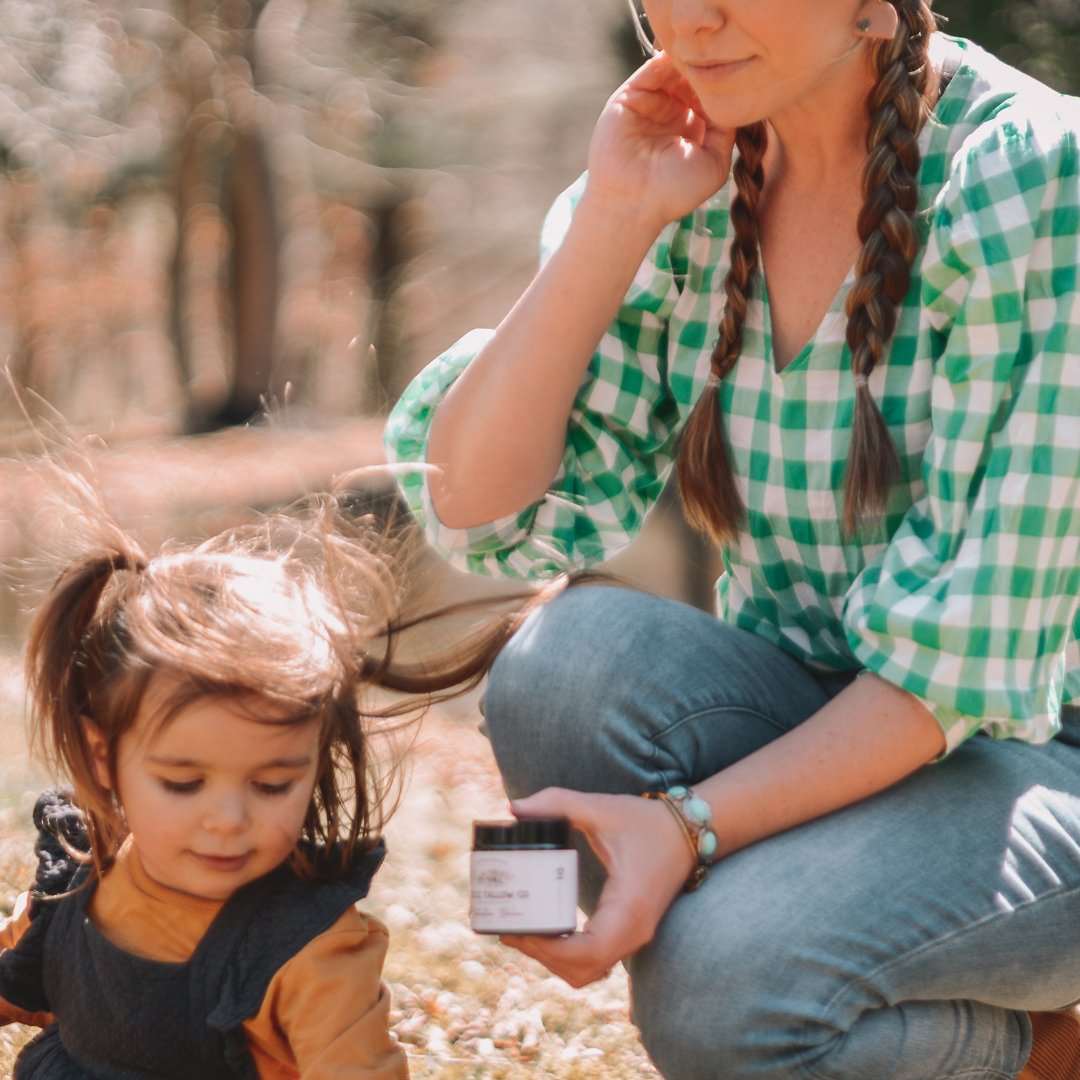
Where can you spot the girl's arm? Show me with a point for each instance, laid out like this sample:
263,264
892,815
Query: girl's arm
12,929
867,738
326,1012
15,925
499,434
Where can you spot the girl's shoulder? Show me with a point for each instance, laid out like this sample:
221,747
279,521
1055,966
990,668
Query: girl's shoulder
268,922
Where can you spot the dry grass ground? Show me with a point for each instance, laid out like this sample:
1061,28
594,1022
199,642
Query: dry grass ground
464,1006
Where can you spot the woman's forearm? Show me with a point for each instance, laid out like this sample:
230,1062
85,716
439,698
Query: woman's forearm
868,737
499,434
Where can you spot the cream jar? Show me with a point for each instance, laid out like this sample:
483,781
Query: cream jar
523,877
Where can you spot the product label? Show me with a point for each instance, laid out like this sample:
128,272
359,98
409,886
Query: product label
526,892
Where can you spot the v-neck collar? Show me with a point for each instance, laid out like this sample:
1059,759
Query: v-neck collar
948,60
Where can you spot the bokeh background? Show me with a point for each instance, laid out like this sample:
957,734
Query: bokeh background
211,205
215,209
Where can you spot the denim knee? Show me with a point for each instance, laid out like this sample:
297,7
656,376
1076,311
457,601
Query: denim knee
561,705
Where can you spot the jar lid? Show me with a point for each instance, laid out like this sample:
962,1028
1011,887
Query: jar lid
526,833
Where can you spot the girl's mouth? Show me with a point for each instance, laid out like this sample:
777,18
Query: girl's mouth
224,863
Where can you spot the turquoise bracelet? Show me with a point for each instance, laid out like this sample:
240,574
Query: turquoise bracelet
694,815
698,815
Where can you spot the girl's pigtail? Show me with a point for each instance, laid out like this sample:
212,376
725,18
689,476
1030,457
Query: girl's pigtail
463,668
64,657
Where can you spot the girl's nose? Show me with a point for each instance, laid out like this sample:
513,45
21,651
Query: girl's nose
226,814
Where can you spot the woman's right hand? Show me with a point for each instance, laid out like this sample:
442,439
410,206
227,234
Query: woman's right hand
654,152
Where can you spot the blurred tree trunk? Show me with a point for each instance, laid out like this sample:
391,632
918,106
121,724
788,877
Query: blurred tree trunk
221,41
250,207
19,201
390,254
192,76
254,274
185,187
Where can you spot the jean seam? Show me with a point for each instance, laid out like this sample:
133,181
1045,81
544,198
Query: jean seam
665,777
945,939
755,713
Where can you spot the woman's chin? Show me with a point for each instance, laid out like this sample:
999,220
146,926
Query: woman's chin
730,113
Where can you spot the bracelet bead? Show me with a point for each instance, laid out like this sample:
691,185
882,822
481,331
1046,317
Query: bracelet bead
695,816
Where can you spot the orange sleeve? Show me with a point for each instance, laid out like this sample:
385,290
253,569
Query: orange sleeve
11,930
326,1012
15,925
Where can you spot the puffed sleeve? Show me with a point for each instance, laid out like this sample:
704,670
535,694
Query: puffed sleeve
326,1012
12,929
619,440
973,605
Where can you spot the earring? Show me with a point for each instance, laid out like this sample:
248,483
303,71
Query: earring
878,21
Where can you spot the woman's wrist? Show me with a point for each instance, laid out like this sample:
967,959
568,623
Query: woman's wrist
681,855
693,815
620,223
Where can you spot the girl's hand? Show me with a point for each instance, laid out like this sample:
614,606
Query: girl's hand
654,151
647,860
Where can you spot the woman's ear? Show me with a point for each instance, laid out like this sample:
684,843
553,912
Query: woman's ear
99,752
878,20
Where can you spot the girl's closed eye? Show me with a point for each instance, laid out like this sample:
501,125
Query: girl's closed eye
181,787
282,788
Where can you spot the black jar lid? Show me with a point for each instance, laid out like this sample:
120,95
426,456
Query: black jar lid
524,834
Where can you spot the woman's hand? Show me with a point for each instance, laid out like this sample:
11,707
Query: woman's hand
647,861
654,151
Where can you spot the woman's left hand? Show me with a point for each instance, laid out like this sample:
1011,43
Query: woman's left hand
647,861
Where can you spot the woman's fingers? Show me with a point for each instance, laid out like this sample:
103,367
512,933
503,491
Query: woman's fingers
587,812
574,959
644,853
623,922
660,75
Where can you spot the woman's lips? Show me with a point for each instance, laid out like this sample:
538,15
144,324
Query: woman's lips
714,69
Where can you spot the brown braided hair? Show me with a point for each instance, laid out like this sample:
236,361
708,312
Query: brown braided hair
899,105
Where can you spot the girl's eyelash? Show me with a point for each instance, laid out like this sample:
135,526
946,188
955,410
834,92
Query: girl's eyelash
189,787
273,789
178,787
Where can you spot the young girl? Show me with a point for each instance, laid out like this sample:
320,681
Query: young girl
193,912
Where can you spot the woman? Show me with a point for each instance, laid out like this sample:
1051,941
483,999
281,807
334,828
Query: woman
859,347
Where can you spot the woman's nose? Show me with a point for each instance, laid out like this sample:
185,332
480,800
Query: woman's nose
690,17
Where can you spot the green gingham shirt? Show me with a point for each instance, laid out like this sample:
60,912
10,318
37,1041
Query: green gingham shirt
966,593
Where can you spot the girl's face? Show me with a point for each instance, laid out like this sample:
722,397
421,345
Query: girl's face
213,799
749,60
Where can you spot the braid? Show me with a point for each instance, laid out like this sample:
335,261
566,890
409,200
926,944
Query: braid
899,106
711,500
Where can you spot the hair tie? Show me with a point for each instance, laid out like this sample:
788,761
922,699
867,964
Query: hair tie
862,380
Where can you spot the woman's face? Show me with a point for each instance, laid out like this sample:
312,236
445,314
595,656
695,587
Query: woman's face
749,60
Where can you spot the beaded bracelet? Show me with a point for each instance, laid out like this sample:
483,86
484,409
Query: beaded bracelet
694,816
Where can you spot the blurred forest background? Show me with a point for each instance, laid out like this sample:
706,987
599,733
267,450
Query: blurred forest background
210,204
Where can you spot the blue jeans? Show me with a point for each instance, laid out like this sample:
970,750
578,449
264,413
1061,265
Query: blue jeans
901,937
